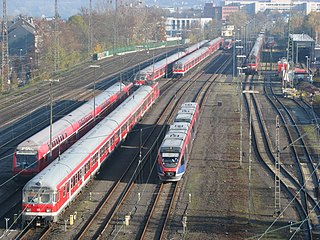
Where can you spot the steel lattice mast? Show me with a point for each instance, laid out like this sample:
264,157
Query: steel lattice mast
5,50
56,36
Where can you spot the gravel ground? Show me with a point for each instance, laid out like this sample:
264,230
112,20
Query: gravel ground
214,193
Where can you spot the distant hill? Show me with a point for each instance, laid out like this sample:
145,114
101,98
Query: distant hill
38,8
67,8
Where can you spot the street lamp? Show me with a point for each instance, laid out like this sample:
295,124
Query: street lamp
50,144
308,66
94,92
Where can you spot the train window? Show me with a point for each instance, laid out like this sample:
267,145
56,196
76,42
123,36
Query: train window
44,198
94,158
86,167
182,160
72,182
64,190
56,197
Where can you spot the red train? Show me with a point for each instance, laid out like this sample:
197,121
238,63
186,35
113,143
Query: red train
33,154
174,152
228,43
47,194
253,59
157,70
183,65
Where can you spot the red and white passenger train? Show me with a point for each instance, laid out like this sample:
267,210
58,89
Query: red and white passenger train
174,152
47,194
228,43
157,70
188,62
33,154
254,56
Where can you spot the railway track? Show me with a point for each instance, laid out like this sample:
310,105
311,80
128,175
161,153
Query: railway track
118,189
164,211
30,111
289,183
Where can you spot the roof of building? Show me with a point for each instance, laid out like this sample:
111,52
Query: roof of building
301,37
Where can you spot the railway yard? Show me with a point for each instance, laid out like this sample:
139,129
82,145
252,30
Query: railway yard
240,182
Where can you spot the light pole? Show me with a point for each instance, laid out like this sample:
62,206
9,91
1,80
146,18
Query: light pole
20,61
94,92
51,81
240,110
308,66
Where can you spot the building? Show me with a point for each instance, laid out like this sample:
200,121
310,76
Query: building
227,31
180,26
21,37
253,7
228,10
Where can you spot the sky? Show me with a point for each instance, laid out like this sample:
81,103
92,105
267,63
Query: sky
67,8
38,8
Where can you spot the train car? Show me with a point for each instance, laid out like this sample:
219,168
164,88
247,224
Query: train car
270,43
195,47
47,194
157,70
183,65
174,152
228,44
253,59
33,154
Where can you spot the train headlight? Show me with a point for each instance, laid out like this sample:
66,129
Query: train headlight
28,209
48,210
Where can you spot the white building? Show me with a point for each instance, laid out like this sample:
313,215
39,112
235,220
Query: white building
178,26
254,7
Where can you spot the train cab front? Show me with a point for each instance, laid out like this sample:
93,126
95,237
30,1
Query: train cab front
25,165
38,206
168,166
140,79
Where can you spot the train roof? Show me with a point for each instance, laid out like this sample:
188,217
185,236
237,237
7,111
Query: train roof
42,137
60,168
214,41
191,56
179,125
186,110
183,117
189,104
172,140
195,46
162,63
257,45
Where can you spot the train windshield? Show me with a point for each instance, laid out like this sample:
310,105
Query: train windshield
140,77
178,65
26,160
35,197
170,160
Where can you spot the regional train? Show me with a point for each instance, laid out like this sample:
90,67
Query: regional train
228,44
183,65
47,194
253,59
33,154
158,69
174,152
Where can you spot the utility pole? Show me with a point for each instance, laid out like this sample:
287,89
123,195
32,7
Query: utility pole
51,113
277,187
94,92
5,49
90,29
56,36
